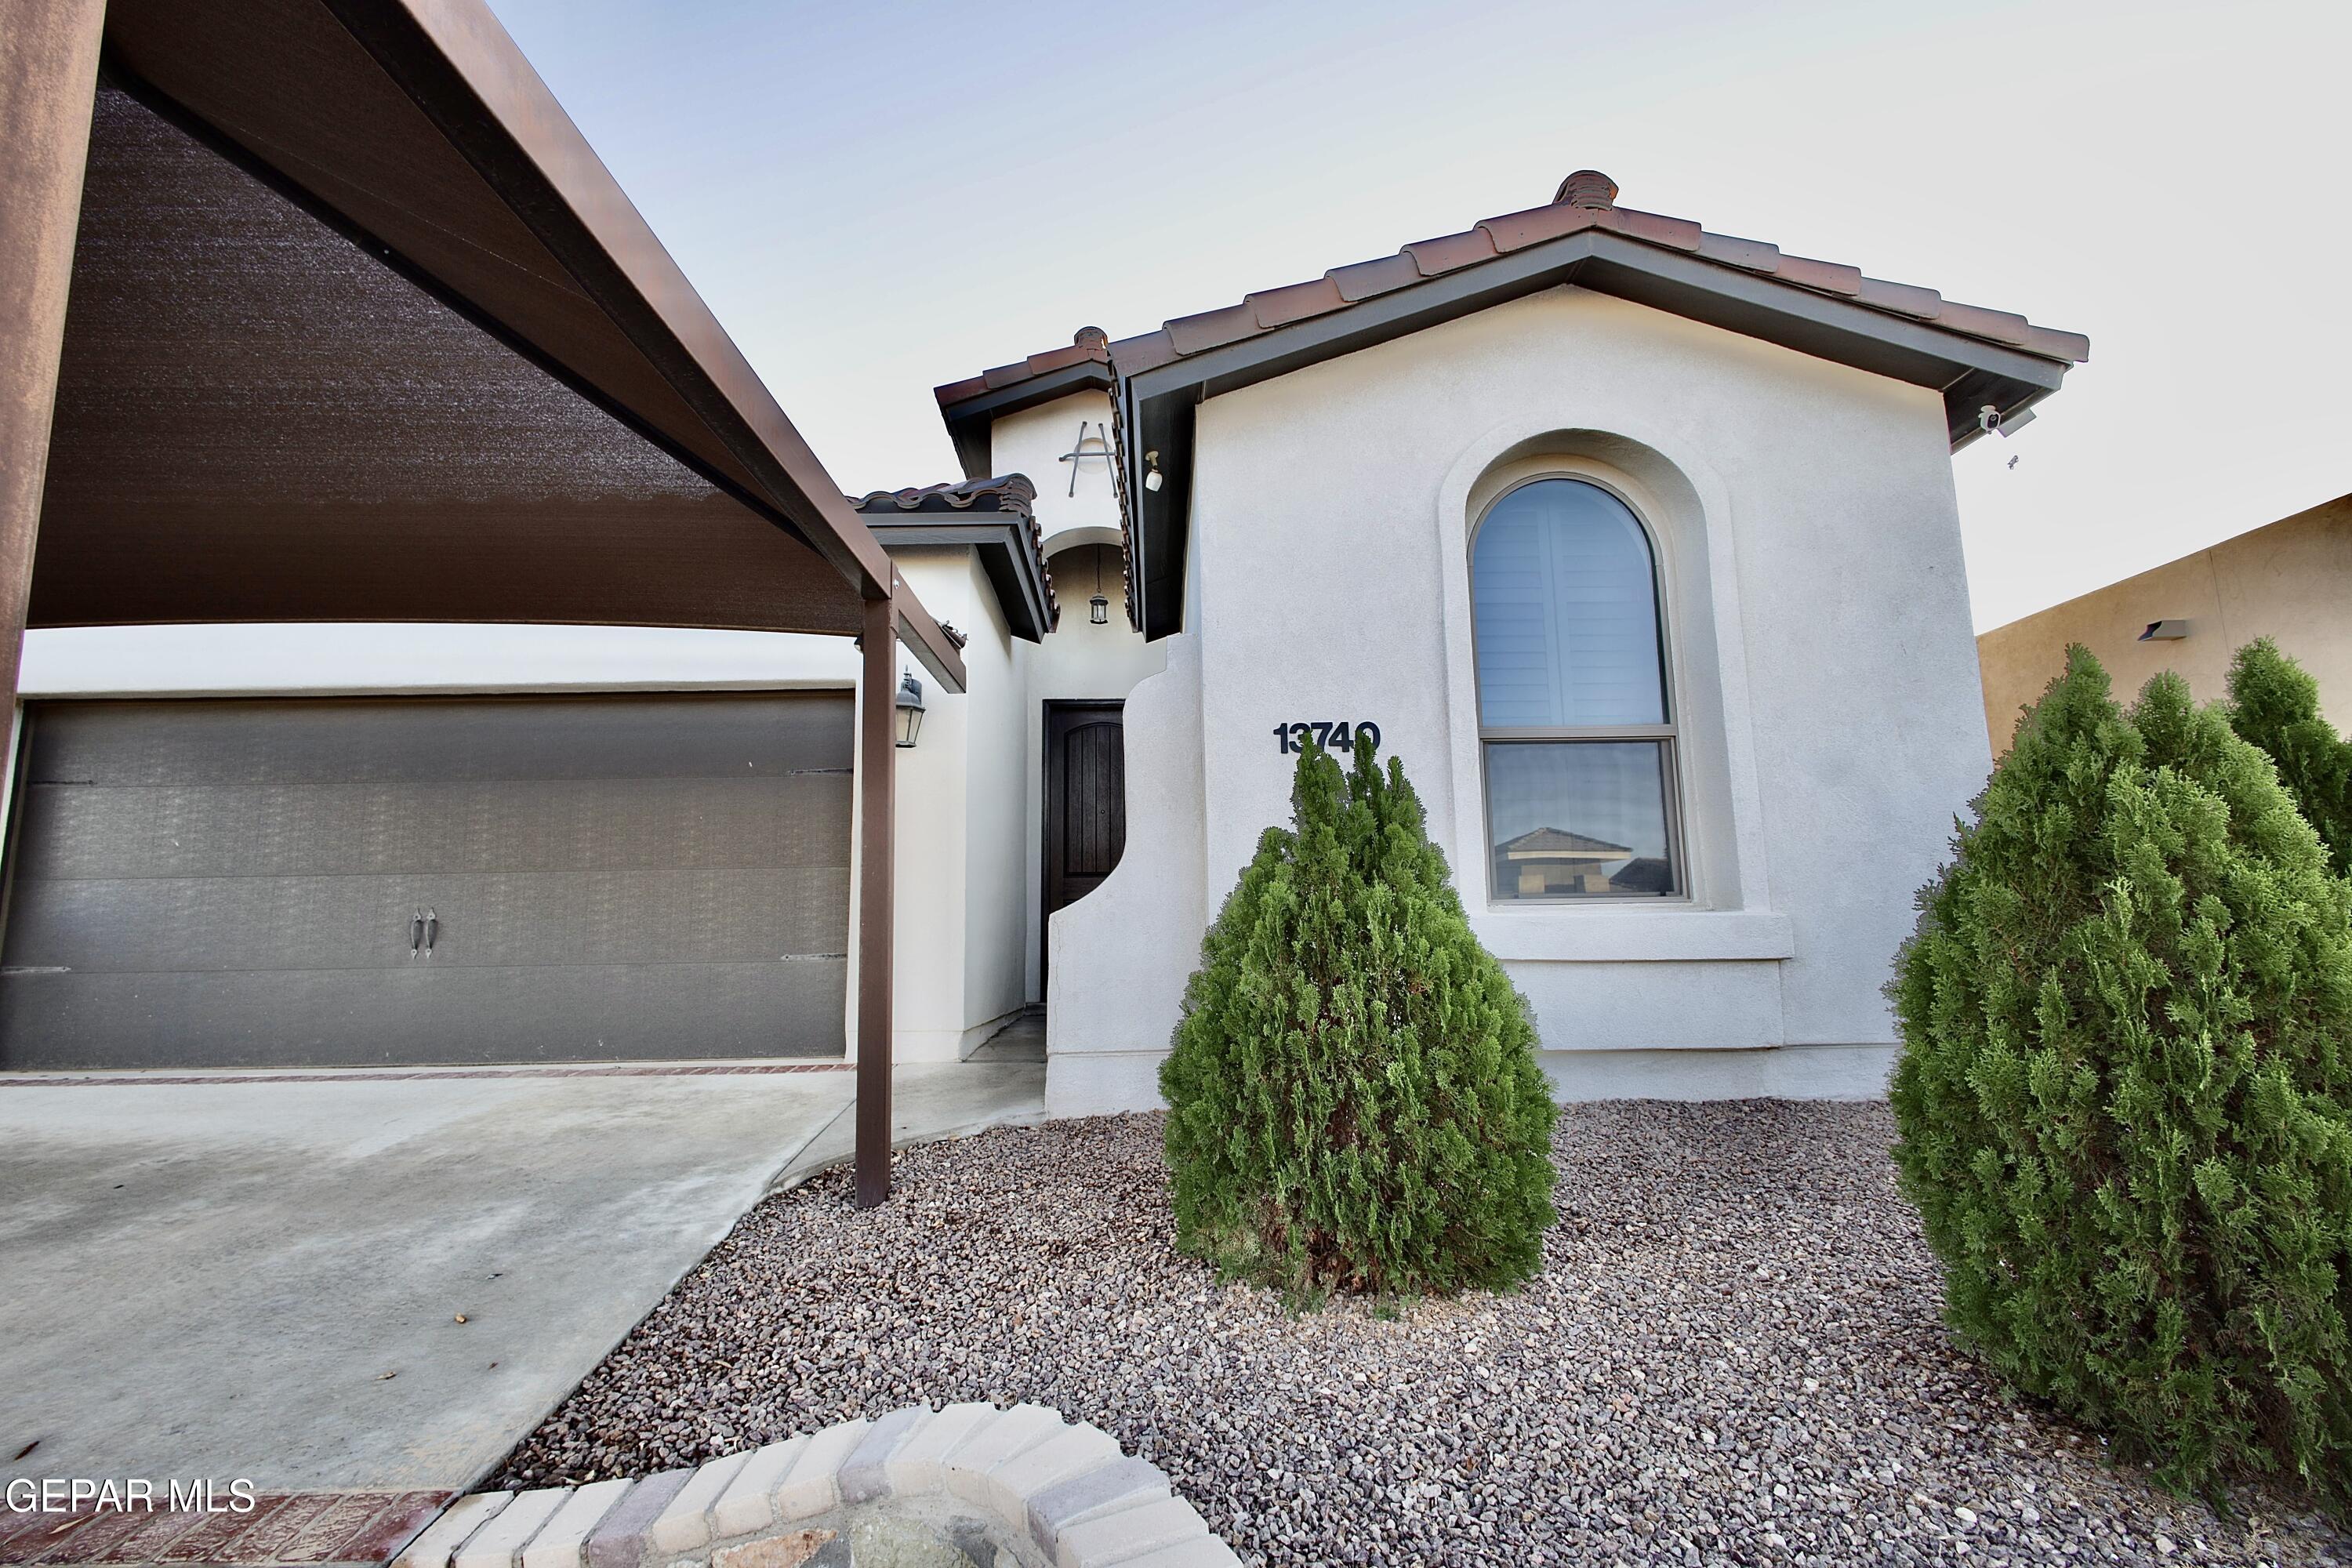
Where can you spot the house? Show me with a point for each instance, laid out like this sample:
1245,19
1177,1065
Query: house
2290,580
1636,543
342,775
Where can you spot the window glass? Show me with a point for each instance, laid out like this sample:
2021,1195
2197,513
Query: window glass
1579,818
1565,612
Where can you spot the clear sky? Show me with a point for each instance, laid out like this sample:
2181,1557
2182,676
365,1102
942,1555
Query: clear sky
875,197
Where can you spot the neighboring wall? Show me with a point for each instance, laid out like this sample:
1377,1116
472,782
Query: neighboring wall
2291,582
1824,670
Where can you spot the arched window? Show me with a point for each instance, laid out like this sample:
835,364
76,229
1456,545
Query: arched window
1574,718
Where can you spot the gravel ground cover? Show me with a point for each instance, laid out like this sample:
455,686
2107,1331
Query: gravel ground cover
1733,1356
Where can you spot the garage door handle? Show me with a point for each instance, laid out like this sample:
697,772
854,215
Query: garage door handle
415,932
432,931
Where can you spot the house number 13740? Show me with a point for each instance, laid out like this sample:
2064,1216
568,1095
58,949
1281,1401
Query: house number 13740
1332,735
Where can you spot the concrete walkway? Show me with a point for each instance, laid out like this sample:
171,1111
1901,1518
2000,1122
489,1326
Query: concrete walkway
261,1276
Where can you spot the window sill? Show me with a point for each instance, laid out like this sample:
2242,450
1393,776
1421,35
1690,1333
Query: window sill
1671,934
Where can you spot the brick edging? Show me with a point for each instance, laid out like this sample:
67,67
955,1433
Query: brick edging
1068,1488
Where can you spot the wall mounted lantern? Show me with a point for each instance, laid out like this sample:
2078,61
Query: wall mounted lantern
910,709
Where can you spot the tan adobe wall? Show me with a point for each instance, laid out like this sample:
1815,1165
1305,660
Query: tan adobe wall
2291,582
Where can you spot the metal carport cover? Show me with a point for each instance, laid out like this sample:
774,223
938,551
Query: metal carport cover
429,881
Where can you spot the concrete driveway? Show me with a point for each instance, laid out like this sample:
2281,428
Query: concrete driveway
262,1277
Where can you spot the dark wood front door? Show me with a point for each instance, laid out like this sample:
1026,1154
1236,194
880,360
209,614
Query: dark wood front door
1086,799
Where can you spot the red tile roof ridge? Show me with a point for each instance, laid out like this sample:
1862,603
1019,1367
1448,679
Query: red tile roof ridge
1270,309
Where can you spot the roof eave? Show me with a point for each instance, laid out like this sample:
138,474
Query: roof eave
1159,400
970,417
1006,554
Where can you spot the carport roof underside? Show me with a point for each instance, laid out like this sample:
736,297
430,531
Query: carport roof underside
361,329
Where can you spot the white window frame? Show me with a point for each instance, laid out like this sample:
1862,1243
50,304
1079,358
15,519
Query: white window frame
1667,735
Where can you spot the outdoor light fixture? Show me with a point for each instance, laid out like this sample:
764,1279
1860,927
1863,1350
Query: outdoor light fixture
1099,607
1151,478
2164,631
910,709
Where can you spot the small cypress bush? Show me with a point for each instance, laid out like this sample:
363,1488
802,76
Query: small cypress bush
2122,1097
2274,703
1354,1098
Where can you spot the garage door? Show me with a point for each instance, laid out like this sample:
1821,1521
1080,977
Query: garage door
480,880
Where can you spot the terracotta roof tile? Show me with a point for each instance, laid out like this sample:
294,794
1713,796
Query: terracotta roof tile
1279,307
1058,359
1364,280
1753,255
1443,254
1148,350
1592,205
1517,231
1977,322
1678,233
1006,492
1900,298
1209,329
2052,343
1828,277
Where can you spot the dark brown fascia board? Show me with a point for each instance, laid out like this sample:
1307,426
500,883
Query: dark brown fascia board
969,421
932,647
1003,544
1159,401
456,63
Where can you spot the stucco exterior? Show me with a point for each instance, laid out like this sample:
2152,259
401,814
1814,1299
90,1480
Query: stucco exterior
1821,656
1078,660
958,975
2289,582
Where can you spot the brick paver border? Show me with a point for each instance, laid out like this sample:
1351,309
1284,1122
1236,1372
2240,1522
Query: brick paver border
315,1529
1068,1488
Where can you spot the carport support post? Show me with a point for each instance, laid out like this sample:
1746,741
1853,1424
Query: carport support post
878,765
48,83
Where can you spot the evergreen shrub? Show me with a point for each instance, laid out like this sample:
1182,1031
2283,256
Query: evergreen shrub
2121,1101
1354,1098
2274,703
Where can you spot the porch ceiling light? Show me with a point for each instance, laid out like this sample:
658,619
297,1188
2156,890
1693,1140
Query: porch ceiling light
910,709
1098,610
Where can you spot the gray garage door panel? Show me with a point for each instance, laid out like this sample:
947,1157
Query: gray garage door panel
355,922
235,883
392,1018
563,825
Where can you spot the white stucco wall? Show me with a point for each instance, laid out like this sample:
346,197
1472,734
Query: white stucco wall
349,658
957,967
1823,659
1077,660
996,814
1032,442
